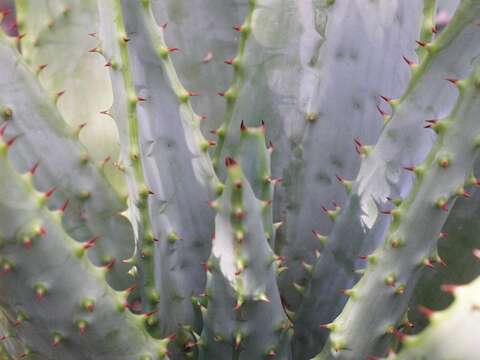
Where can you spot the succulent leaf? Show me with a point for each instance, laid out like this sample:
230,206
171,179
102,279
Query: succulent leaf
245,317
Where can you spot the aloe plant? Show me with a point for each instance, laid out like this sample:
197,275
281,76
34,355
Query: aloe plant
224,179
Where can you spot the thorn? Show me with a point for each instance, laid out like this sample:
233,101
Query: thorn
238,305
425,311
448,288
237,28
230,162
141,99
421,43
40,68
476,253
347,292
92,34
274,181
453,81
428,263
105,161
208,57
82,327
171,50
50,192
164,26
64,206
410,168
94,49
408,61
242,126
3,128
442,234
90,243
222,94
150,313
59,94
328,326
11,141
106,112
41,231
434,29
229,61
34,168
109,265
385,98
382,113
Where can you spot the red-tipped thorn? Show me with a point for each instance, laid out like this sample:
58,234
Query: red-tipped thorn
150,313
173,49
237,28
230,162
3,128
109,265
408,61
449,288
208,57
222,94
421,43
425,311
452,80
192,93
92,34
476,253
90,242
11,140
41,231
386,98
50,192
442,234
34,168
164,26
229,61
64,206
434,29
428,263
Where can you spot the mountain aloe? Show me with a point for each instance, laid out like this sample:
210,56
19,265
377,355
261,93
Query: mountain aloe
226,179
